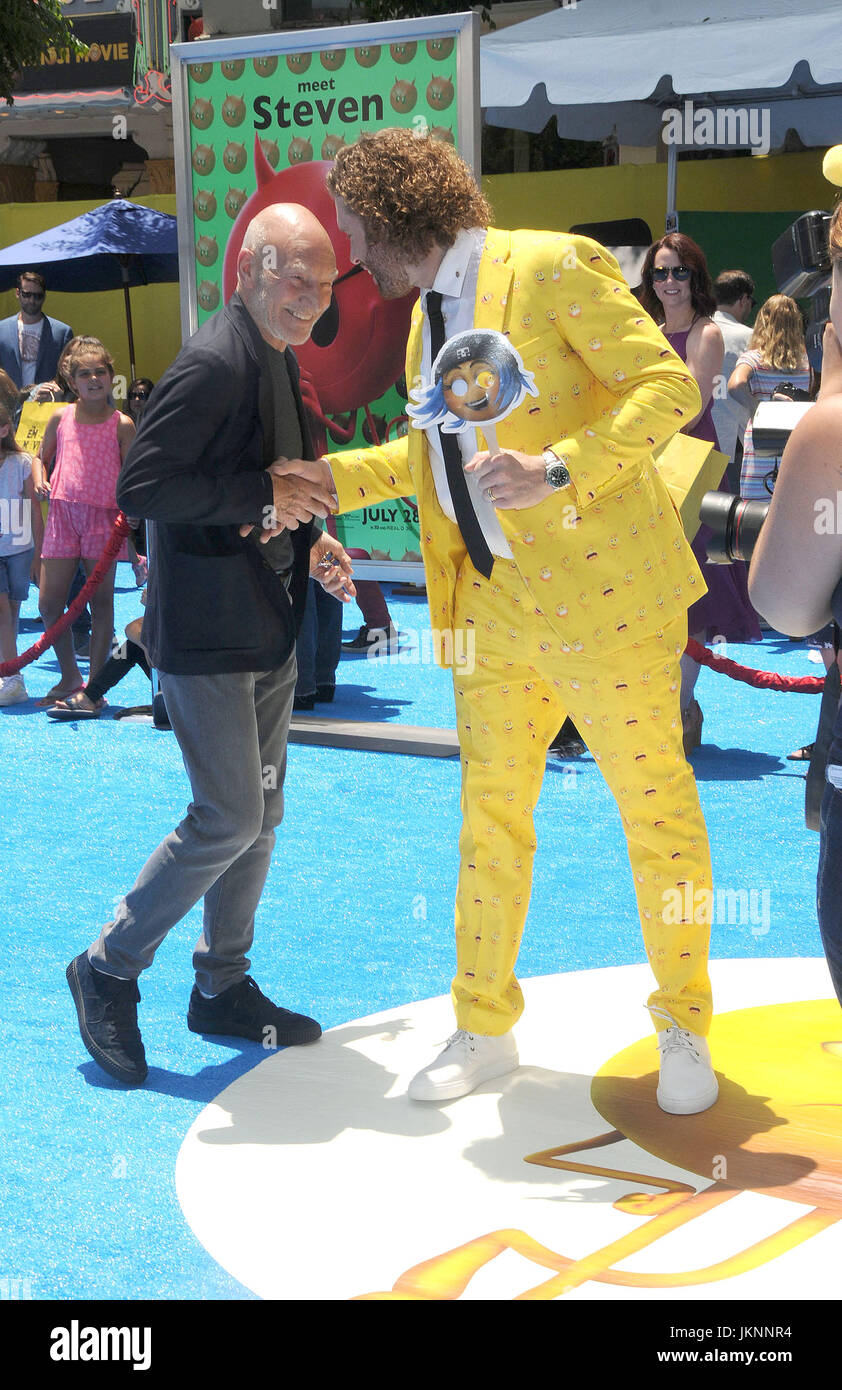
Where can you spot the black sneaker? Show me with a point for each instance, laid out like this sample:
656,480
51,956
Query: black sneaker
243,1011
374,640
568,742
107,1010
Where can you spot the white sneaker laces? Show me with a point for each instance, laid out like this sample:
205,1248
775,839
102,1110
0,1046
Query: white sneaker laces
675,1039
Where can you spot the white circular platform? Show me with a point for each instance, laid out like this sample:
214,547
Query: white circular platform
314,1177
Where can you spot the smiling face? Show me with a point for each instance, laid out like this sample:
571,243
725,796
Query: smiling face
674,295
286,283
91,379
471,390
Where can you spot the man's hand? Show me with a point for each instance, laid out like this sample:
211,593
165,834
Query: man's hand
299,492
330,563
511,479
831,365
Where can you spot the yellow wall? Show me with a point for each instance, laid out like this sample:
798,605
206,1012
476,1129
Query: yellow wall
557,200
155,311
563,198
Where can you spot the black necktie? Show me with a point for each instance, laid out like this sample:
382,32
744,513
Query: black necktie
466,518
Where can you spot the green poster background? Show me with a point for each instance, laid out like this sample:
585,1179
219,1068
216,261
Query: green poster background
303,105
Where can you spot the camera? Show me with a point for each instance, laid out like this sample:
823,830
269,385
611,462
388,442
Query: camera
801,262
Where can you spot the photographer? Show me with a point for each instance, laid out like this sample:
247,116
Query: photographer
796,567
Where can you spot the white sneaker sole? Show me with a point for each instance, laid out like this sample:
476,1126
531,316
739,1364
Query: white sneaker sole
423,1087
676,1105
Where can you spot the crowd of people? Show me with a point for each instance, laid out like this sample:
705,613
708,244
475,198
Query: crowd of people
79,459
237,493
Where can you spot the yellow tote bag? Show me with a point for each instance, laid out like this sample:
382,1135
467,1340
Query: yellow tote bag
690,468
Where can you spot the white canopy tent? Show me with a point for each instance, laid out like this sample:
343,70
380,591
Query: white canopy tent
608,67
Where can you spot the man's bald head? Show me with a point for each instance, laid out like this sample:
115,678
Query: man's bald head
285,271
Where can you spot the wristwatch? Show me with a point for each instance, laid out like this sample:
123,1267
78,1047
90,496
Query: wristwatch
556,474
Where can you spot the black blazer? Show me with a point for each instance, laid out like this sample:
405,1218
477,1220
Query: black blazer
196,468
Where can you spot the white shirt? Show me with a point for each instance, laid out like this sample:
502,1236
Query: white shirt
29,343
456,282
729,417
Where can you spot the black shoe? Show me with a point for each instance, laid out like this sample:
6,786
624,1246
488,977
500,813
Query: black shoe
107,1010
243,1011
325,694
567,741
370,637
303,701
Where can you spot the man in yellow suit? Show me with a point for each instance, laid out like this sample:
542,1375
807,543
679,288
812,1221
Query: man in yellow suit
561,552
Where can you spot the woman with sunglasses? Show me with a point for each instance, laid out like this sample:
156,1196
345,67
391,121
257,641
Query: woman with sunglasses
138,398
678,292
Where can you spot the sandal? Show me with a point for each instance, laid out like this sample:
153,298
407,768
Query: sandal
72,708
801,755
57,694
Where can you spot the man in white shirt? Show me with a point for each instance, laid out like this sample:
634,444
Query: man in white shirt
734,290
536,605
31,342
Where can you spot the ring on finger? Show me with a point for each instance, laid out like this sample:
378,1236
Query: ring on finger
489,492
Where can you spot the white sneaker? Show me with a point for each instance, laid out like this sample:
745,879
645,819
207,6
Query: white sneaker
12,690
467,1060
687,1083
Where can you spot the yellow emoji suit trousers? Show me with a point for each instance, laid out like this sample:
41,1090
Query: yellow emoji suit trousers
511,698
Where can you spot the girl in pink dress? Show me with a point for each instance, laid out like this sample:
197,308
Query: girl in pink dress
86,442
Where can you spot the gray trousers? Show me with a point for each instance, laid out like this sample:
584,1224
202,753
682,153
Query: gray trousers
232,731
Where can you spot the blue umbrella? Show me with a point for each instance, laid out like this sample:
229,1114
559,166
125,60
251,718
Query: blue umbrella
112,247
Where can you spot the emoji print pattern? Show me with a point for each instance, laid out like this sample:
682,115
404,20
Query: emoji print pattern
508,710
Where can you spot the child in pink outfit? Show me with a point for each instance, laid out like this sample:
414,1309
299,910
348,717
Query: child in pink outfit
86,442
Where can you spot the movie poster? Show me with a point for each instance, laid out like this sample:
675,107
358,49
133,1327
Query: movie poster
257,121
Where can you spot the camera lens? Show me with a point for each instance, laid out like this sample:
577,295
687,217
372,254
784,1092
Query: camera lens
735,522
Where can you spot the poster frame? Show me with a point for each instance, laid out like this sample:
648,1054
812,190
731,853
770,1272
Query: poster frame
463,27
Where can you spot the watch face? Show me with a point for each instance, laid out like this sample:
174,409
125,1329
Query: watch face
557,475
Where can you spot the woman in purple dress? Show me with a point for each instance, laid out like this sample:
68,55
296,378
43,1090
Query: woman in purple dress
678,293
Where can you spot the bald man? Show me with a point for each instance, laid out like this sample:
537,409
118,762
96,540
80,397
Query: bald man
235,545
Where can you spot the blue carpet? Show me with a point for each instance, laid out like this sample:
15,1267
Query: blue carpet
368,855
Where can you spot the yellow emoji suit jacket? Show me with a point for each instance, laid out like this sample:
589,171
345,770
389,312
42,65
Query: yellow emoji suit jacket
605,560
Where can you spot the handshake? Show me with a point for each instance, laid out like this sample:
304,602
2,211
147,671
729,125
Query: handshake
302,489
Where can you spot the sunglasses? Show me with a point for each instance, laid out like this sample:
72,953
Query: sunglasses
31,294
139,396
678,272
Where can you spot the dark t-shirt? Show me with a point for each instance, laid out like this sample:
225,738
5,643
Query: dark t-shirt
282,436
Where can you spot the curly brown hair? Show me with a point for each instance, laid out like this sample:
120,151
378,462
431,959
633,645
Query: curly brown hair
411,191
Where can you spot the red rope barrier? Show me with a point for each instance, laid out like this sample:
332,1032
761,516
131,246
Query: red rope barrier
103,565
761,680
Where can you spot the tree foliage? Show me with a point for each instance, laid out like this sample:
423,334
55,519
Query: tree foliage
27,28
377,10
